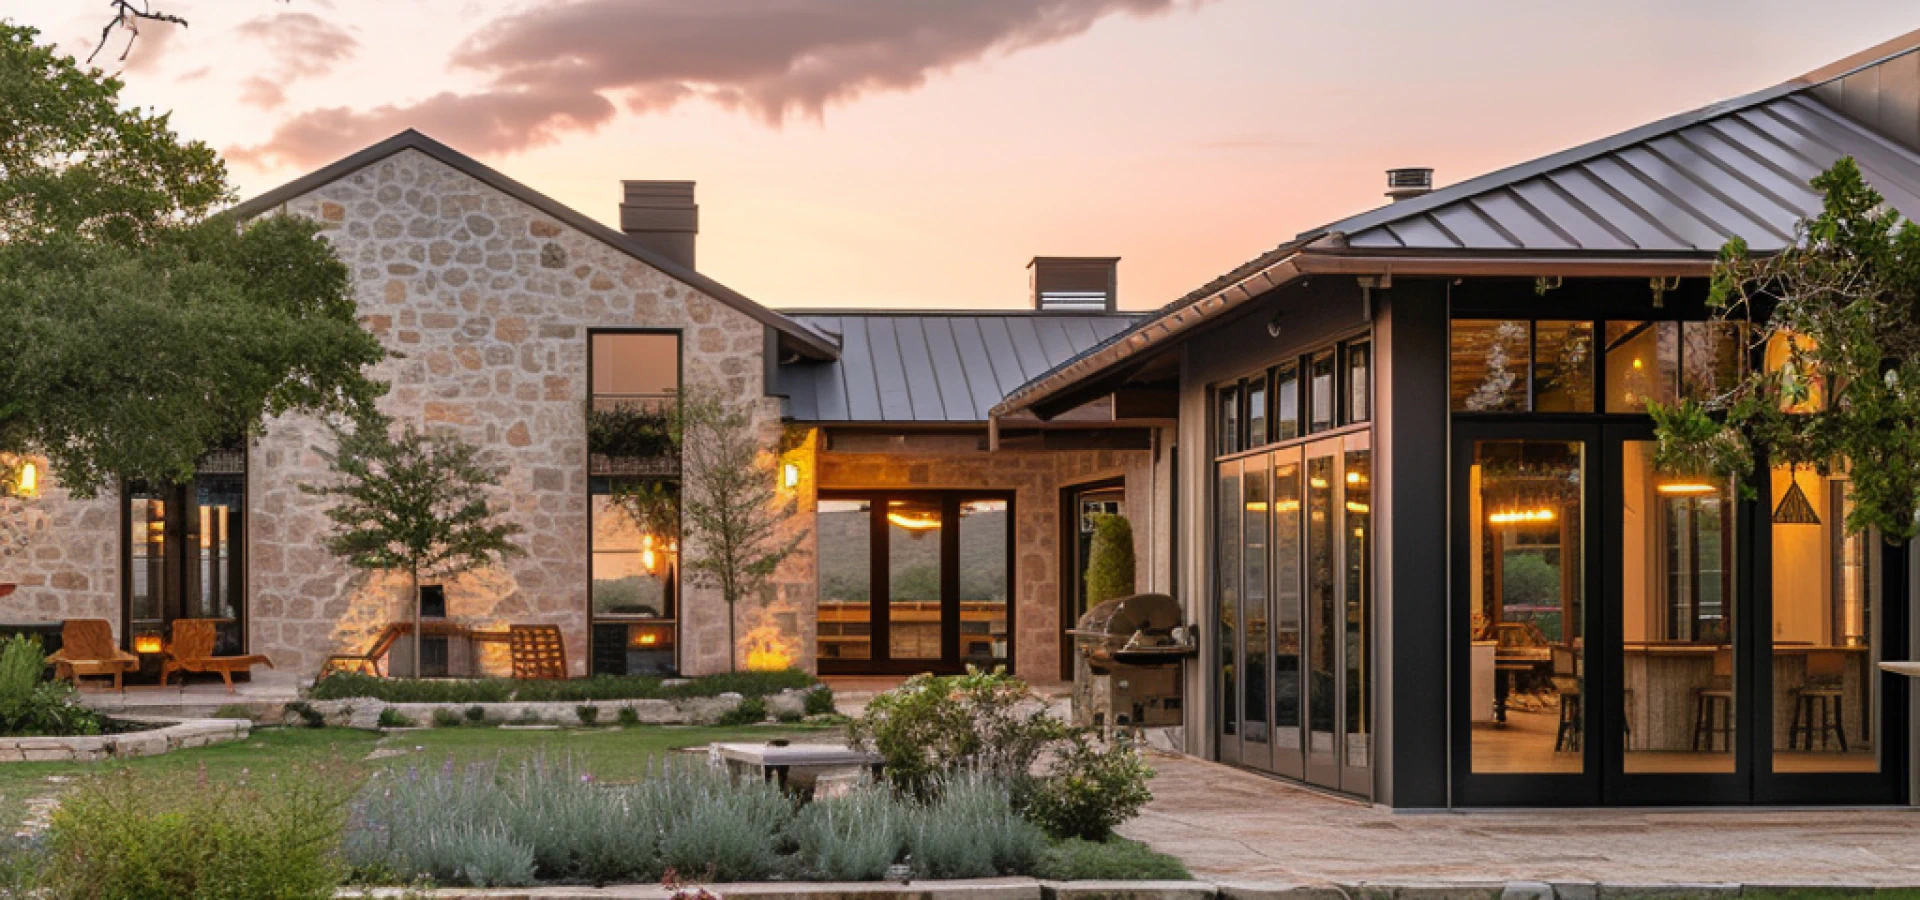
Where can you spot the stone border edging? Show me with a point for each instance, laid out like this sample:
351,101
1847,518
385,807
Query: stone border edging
364,712
176,735
1033,889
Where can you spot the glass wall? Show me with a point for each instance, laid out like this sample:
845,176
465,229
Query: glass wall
1825,697
633,503
1226,569
1286,601
1526,586
844,535
914,573
984,532
1253,557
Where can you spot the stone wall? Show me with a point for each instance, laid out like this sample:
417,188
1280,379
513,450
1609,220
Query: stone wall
66,558
486,303
1035,478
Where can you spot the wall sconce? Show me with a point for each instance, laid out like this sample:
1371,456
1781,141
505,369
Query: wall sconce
790,475
28,484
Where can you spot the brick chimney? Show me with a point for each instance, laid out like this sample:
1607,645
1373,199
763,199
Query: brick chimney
1086,284
662,216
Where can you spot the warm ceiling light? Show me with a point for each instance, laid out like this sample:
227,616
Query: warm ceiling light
1257,506
1687,488
1354,507
1523,516
1355,478
912,521
1287,506
1317,482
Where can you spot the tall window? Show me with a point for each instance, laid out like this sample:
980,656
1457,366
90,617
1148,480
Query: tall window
633,500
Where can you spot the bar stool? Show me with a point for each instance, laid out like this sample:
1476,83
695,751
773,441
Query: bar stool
1820,706
1713,705
1566,683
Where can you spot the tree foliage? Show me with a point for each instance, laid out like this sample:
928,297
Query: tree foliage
1110,562
1837,315
413,502
730,511
137,331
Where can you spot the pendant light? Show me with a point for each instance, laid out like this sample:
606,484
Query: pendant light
1794,509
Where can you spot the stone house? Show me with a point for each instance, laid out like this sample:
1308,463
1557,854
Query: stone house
516,322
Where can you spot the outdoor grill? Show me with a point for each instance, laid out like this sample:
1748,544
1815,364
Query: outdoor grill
1127,656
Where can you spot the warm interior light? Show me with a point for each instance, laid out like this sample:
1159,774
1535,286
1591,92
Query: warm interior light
1523,516
29,483
648,560
914,521
1687,488
1355,478
1257,506
1356,507
648,639
1636,362
146,643
1287,506
1317,482
790,475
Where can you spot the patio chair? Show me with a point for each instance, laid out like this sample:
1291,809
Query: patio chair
192,651
372,662
538,651
87,648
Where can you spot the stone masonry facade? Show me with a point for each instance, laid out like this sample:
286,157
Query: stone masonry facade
486,303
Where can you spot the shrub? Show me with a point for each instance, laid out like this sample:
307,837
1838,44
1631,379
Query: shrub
628,717
393,718
446,718
1089,789
125,835
751,711
710,823
31,706
477,715
1110,559
233,711
933,727
1117,859
442,825
588,714
309,717
820,701
972,831
23,861
344,685
854,837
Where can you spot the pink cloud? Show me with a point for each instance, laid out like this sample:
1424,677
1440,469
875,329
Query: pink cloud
559,68
302,46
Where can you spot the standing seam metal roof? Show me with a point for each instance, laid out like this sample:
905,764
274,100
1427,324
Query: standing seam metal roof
937,367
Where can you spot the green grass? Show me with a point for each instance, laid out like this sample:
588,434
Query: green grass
610,754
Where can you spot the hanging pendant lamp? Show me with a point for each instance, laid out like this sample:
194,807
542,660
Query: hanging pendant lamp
1794,509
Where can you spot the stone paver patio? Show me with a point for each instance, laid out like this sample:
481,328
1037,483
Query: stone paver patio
1231,825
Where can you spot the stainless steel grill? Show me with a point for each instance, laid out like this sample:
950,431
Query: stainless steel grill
1127,662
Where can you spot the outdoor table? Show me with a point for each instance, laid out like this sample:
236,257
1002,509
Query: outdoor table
775,762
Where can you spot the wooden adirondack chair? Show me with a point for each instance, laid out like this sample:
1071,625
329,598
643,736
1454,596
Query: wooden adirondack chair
538,651
372,662
87,648
192,651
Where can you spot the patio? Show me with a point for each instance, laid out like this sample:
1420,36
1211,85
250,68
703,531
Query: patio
1231,825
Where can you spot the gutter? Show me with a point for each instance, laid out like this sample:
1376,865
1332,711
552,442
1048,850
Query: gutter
1322,257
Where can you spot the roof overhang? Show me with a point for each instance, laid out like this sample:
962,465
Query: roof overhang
1103,368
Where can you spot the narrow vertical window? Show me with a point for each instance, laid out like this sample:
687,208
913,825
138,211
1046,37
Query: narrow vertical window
633,502
1286,402
1257,411
1320,390
1359,381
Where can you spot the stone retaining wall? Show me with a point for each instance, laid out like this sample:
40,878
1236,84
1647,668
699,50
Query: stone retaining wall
93,748
364,712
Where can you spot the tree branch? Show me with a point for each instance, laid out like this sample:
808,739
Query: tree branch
127,14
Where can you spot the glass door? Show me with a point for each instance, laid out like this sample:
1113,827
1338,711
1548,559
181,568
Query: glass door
184,558
1287,643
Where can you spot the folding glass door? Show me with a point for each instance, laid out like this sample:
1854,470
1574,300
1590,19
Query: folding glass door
1293,605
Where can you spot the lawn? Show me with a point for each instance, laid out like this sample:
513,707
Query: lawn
613,754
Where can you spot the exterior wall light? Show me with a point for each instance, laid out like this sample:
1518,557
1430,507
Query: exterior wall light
29,483
790,475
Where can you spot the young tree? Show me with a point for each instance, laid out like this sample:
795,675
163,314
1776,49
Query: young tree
1110,560
137,330
1838,313
728,504
414,502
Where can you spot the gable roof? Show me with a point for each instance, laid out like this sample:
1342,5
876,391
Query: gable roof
799,338
907,366
1660,199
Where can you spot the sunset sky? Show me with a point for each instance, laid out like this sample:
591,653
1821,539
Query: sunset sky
919,152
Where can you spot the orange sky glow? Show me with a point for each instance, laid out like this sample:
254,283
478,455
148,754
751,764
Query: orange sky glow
855,153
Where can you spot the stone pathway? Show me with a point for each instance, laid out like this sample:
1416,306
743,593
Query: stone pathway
1231,825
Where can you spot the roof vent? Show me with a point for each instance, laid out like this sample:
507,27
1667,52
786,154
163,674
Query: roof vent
1086,284
1406,183
662,217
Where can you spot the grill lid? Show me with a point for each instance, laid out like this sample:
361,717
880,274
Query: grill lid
1141,624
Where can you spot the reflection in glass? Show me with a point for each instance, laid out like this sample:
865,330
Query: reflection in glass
1254,557
635,573
1286,402
913,579
1323,623
1677,586
845,530
1320,390
1643,364
1488,365
1824,693
1229,420
1359,381
983,581
631,368
1358,487
1563,366
1256,412
1526,584
1286,606
1227,502
148,543
1713,357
